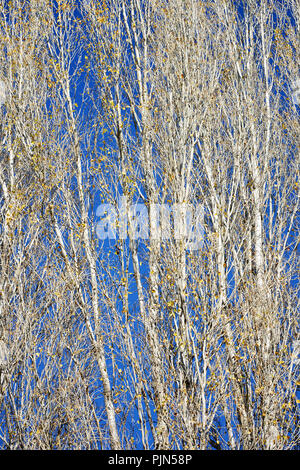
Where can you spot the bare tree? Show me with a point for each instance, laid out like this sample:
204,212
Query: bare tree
130,342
